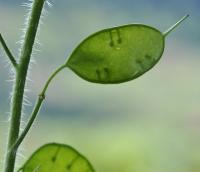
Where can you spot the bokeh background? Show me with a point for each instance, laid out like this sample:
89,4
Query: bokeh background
151,124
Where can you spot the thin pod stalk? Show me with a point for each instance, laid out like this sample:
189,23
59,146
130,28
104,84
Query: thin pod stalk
36,109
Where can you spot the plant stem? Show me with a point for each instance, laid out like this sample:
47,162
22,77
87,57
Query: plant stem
36,109
8,52
19,85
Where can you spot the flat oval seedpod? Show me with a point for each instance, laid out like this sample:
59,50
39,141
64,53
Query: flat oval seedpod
57,158
118,54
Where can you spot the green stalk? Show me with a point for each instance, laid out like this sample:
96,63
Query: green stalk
8,52
36,109
19,85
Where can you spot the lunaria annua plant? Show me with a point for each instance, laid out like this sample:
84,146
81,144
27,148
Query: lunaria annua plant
113,55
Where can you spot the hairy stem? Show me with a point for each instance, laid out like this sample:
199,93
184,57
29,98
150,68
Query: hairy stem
8,52
19,85
36,109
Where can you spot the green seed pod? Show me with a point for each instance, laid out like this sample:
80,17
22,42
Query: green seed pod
57,158
119,54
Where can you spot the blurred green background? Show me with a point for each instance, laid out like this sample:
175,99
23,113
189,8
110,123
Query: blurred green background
151,124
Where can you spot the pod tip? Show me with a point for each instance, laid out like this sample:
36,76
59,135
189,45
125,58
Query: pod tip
175,25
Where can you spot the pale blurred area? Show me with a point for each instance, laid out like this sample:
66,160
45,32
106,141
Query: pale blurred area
151,124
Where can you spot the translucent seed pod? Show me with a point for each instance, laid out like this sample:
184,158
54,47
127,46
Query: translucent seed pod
119,54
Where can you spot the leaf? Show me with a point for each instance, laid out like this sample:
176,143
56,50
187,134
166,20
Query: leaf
117,54
56,157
